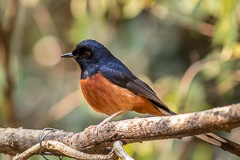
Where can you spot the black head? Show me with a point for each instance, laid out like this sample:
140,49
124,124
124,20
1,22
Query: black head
89,54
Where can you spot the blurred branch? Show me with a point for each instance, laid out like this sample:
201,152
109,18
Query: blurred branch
190,74
203,28
71,100
13,141
224,88
6,30
44,20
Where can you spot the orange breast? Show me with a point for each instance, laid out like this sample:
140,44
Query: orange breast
106,97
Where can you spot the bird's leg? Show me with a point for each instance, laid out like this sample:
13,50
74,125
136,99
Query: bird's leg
108,119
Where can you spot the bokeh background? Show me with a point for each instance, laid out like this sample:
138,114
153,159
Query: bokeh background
187,50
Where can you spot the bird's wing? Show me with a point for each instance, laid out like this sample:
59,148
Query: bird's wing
129,81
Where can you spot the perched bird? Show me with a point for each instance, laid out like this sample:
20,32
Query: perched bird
111,88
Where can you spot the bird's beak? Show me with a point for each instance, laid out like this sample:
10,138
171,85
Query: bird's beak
67,55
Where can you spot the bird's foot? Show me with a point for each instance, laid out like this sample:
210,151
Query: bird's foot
98,127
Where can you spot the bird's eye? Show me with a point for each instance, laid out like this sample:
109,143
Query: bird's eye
86,54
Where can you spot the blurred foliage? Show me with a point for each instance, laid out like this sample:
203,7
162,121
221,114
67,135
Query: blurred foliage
187,50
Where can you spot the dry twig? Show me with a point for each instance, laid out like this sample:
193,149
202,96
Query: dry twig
62,149
119,150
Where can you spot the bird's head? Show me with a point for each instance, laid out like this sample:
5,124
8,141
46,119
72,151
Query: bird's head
88,53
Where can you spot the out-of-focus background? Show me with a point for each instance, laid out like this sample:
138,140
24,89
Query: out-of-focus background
187,50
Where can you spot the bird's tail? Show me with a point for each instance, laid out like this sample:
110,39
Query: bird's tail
212,138
221,142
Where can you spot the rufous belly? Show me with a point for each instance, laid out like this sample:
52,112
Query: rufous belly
106,97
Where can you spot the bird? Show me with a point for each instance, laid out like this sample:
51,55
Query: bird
111,88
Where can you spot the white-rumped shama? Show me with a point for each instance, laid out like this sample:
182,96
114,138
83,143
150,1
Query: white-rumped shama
111,88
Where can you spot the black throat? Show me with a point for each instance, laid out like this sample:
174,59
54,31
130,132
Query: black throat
89,70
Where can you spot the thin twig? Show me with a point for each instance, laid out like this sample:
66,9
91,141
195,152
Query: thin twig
120,152
190,74
64,150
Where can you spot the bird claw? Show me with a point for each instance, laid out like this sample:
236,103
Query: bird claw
107,120
98,127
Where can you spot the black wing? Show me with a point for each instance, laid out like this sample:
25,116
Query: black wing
129,81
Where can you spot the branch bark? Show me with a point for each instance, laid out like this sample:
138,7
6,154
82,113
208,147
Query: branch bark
13,141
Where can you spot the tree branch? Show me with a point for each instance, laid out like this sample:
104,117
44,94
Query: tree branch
13,141
60,148
119,150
